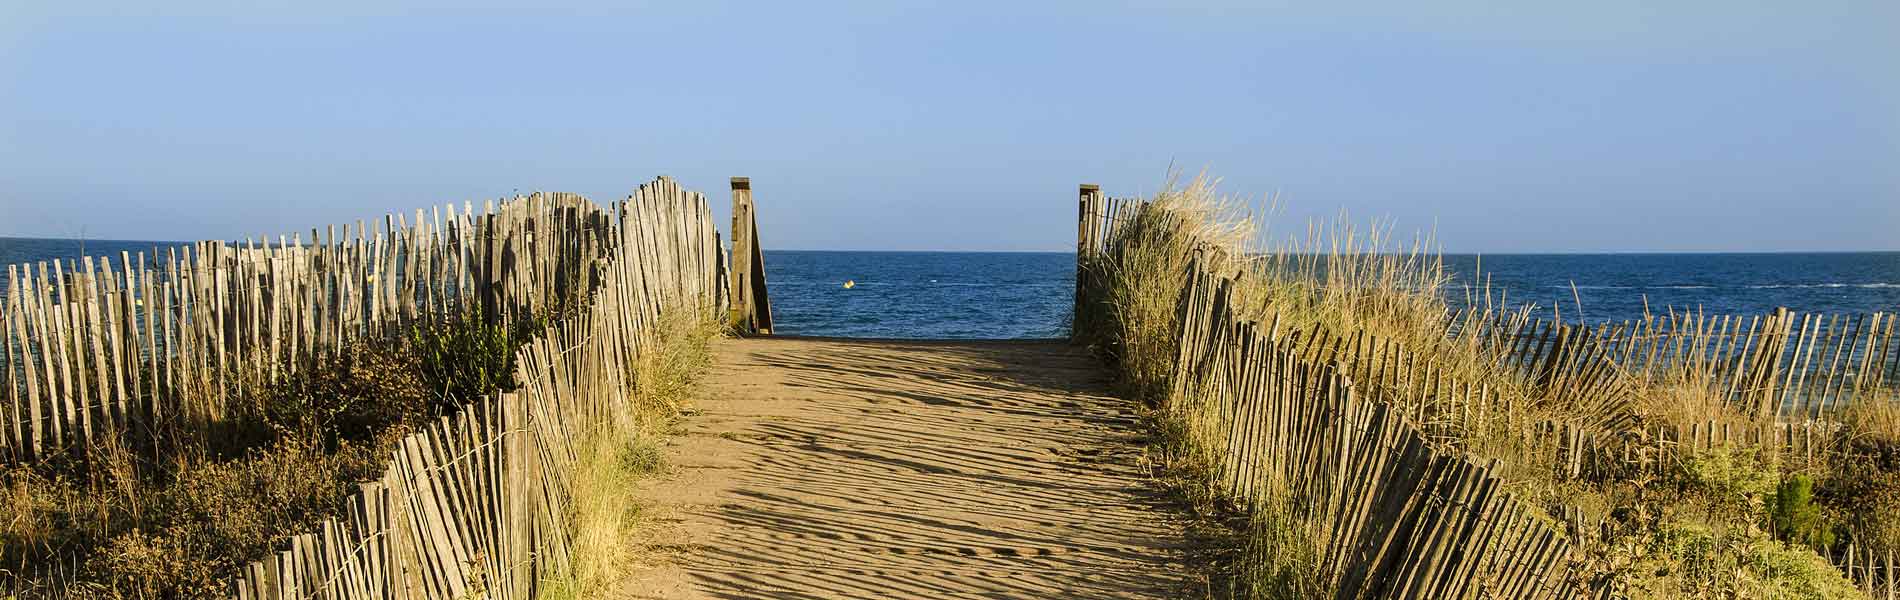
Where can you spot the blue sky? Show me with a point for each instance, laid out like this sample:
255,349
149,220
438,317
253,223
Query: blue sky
1601,126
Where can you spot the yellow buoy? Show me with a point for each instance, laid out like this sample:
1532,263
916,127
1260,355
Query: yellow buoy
848,284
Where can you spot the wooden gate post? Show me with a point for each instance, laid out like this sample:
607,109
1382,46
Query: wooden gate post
1087,229
752,310
741,253
1088,215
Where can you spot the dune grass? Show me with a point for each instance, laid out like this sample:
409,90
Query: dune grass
605,505
1705,527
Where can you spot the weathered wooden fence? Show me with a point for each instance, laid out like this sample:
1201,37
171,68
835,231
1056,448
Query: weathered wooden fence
1403,519
1587,367
1309,426
1785,364
92,348
1275,398
1098,217
476,505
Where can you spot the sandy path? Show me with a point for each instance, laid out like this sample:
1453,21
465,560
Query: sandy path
877,469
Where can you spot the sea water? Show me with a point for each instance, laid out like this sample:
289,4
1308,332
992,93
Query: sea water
1029,295
1014,295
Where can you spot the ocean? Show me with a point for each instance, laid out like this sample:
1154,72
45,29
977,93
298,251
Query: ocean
1028,295
15,251
1011,295
921,294
1614,287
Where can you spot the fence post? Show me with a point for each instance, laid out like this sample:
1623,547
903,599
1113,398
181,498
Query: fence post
752,308
741,251
1087,213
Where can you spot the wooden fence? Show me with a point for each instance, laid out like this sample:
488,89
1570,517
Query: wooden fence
89,348
1777,364
476,505
1298,436
1401,518
1098,218
1786,365
1787,370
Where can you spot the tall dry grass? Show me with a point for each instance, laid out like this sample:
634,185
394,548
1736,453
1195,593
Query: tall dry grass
1131,314
605,507
1339,279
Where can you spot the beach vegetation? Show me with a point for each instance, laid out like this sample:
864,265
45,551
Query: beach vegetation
1732,520
615,457
176,514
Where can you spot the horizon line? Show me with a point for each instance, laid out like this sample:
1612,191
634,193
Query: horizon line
1067,251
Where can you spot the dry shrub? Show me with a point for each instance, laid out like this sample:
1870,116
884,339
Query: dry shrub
365,390
1280,559
182,535
1863,482
1683,404
665,376
1348,279
216,517
179,524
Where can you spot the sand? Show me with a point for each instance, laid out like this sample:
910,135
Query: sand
820,468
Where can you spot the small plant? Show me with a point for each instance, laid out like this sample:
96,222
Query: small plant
1796,519
1732,482
466,357
644,455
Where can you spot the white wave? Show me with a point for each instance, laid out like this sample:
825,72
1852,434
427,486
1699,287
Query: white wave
1782,286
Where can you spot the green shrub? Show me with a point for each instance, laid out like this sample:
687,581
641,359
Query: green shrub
1732,482
1795,518
465,358
1686,559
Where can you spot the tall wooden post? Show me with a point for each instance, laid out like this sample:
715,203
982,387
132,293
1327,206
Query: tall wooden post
1087,228
1088,215
752,309
741,254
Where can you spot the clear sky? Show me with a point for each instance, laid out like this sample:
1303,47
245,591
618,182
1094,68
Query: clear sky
1579,126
